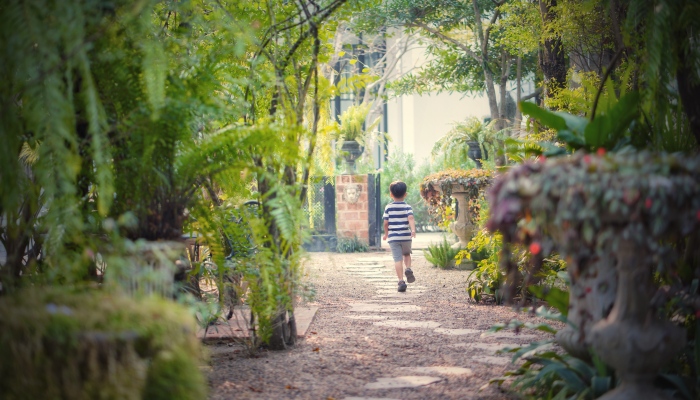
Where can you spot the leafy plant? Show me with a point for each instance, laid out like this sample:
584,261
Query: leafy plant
352,123
436,189
352,245
546,374
442,254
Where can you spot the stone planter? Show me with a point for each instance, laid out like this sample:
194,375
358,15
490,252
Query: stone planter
462,226
351,152
474,153
632,339
591,296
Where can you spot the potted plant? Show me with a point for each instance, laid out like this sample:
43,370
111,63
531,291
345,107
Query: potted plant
634,209
465,186
472,133
352,136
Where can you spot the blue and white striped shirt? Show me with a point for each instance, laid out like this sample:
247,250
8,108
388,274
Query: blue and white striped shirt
397,214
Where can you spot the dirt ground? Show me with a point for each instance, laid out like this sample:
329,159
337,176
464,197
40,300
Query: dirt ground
340,355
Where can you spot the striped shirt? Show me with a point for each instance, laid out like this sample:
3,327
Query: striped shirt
397,214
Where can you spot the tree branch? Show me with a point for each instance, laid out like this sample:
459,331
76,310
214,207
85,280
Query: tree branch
531,95
446,38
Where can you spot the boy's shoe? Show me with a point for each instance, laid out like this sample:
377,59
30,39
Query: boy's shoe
409,276
402,286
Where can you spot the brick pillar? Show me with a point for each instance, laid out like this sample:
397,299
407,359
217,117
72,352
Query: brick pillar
352,216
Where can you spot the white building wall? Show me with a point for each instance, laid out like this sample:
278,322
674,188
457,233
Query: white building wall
416,122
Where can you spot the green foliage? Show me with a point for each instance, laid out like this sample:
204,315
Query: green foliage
528,201
486,281
436,190
441,255
352,123
454,145
86,344
549,375
352,245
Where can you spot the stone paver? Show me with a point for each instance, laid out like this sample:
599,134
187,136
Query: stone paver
457,332
368,398
492,360
375,317
367,307
458,371
408,324
508,335
402,382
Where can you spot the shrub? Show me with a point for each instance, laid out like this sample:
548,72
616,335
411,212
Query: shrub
352,245
441,255
88,344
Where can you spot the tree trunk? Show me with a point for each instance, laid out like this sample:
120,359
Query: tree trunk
518,80
488,75
688,88
552,60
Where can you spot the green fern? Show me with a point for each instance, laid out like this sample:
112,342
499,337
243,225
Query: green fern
441,255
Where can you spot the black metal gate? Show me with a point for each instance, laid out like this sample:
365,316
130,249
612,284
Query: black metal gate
374,214
320,211
320,205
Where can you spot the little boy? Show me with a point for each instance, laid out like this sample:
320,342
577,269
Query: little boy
400,228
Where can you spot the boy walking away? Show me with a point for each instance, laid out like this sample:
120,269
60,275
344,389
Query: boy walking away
400,229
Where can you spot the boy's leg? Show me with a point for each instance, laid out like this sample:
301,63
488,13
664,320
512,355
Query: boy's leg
396,253
407,261
399,269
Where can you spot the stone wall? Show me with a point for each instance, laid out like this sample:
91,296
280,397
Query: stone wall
352,215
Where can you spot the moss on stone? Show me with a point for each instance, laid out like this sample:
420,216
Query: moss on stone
88,344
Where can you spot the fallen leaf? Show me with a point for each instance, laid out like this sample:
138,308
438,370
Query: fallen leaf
330,398
254,389
314,333
316,349
291,387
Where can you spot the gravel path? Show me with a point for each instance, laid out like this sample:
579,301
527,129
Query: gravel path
365,332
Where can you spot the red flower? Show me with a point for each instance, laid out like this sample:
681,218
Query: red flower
647,203
588,290
601,151
587,159
543,158
535,248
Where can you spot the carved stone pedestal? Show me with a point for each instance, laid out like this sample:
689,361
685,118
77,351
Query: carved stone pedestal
591,296
632,340
462,227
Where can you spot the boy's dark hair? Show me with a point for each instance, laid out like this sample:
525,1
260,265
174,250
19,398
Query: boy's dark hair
398,189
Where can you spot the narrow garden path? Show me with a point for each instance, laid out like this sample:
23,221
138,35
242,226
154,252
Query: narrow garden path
368,341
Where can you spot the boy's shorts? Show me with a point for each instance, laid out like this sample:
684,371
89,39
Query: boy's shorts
400,249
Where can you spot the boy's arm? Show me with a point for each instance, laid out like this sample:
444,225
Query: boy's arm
386,229
412,223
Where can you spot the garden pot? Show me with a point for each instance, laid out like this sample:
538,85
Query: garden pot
632,339
475,153
466,266
462,226
351,150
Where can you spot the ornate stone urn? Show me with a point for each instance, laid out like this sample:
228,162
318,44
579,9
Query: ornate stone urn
632,339
474,153
591,297
351,150
462,226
